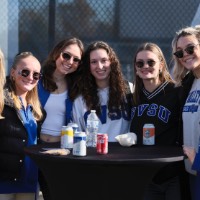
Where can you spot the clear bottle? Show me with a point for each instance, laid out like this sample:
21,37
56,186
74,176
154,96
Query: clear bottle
92,129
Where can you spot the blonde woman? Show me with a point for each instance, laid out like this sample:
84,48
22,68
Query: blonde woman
18,173
2,82
186,54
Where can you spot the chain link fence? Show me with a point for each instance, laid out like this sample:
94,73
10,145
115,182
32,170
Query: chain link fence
124,24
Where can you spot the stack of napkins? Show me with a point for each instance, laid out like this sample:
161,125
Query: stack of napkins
127,139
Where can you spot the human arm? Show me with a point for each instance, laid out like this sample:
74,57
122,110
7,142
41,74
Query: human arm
193,157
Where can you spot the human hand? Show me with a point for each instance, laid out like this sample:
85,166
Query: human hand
190,153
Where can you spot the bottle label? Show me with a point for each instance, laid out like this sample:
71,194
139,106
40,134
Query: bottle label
93,125
92,129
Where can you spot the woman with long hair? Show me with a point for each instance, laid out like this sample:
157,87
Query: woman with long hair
103,88
59,73
156,101
186,55
19,128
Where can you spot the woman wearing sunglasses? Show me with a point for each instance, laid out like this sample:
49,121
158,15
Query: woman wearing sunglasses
186,54
2,82
22,111
156,101
55,89
104,89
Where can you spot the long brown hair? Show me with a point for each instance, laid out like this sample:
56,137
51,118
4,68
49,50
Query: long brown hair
49,65
117,85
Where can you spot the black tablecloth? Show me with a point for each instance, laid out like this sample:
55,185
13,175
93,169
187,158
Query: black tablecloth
120,174
116,154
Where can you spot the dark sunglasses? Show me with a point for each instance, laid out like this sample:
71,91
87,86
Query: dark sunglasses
141,63
67,56
25,53
189,50
26,72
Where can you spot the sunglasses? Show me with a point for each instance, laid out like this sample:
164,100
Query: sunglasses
150,63
26,73
67,56
189,50
25,53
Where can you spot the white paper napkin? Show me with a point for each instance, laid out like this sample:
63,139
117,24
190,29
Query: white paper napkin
127,139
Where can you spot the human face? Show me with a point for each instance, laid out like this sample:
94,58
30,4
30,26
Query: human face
189,61
100,66
67,63
147,65
24,83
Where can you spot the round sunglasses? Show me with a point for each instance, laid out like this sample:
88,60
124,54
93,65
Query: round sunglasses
67,56
141,63
26,73
189,50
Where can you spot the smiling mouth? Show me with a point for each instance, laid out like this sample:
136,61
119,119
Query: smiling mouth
188,60
146,71
101,72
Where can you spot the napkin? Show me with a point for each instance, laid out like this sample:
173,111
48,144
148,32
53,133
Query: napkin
61,152
127,139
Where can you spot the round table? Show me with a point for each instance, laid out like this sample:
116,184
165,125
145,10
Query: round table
121,174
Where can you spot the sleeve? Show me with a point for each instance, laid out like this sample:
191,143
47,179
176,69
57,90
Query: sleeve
196,163
78,111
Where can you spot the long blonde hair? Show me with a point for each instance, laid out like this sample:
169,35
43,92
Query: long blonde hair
32,95
179,71
2,82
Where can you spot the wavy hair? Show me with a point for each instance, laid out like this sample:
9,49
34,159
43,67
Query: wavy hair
164,75
179,71
117,85
2,82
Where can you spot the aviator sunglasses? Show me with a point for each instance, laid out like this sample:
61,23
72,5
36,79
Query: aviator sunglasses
67,56
141,63
189,50
26,72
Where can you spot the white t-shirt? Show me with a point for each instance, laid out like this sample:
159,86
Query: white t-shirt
191,120
112,126
55,119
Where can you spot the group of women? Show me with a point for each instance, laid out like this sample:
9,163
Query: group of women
36,102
